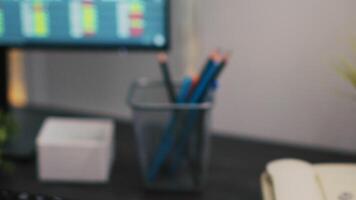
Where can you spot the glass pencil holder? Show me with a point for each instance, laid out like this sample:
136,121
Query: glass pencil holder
172,138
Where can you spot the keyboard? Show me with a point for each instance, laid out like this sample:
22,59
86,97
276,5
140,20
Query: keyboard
11,195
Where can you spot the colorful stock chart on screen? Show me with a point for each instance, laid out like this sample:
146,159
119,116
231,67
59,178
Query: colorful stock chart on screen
35,18
84,22
84,19
2,23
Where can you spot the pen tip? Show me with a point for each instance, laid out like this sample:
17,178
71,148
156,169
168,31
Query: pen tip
162,57
217,57
190,71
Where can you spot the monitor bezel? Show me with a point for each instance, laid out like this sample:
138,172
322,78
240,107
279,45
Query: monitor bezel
123,47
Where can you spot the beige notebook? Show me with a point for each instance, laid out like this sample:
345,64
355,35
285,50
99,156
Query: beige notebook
292,179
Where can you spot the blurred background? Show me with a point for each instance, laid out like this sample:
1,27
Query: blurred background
287,91
281,84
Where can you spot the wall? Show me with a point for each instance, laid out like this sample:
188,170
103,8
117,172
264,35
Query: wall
280,84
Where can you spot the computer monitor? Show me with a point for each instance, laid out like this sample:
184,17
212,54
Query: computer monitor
142,24
88,24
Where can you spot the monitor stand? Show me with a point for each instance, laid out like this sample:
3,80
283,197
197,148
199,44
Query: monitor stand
4,105
23,144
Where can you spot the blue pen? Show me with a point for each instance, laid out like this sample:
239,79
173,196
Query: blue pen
163,150
184,90
168,136
199,95
205,81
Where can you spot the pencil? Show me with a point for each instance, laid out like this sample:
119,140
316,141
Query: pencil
199,142
205,82
163,62
218,64
205,69
223,61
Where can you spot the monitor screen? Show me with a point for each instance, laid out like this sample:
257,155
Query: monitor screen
105,23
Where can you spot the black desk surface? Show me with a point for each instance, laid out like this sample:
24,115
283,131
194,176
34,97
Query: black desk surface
236,165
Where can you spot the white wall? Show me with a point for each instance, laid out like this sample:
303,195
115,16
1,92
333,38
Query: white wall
280,84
